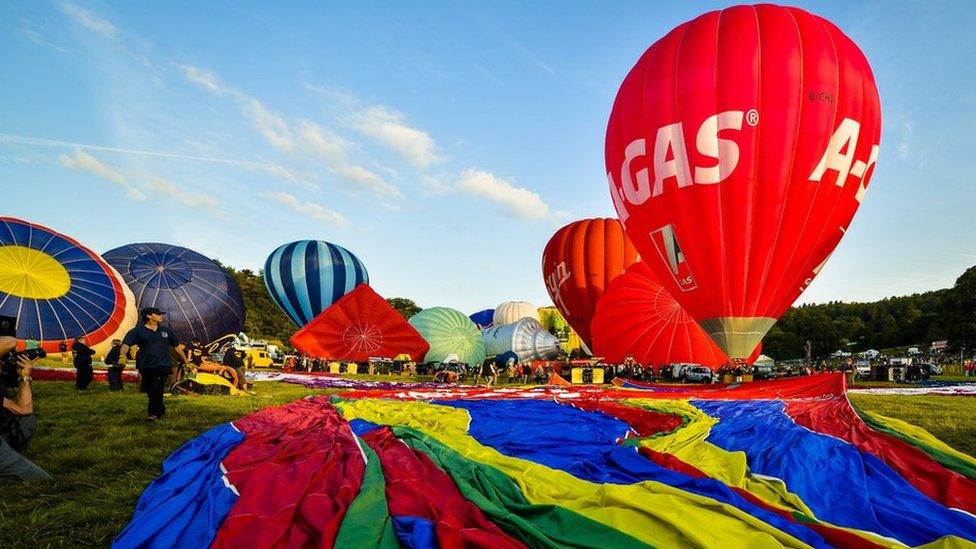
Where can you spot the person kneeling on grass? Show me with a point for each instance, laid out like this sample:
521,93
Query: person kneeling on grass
17,422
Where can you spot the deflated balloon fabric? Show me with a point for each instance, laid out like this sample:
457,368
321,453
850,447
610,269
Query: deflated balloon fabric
652,512
836,418
185,505
297,471
590,451
874,497
418,488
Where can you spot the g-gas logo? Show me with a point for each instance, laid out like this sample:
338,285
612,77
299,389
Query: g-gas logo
670,158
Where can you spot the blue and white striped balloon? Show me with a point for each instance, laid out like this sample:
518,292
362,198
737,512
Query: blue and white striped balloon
306,276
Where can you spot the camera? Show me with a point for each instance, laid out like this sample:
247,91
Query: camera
9,367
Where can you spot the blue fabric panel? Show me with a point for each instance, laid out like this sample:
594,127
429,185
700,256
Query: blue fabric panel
185,505
839,483
415,532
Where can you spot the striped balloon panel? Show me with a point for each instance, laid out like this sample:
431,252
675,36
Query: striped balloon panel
57,288
305,277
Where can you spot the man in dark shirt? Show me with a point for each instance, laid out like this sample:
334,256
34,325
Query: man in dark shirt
115,365
234,358
154,360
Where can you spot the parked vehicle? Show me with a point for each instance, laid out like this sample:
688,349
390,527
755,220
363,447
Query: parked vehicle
863,368
697,374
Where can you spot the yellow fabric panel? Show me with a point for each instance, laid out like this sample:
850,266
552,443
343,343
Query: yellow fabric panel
921,435
650,511
949,542
214,379
688,444
32,274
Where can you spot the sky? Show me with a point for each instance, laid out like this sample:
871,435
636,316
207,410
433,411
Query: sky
442,143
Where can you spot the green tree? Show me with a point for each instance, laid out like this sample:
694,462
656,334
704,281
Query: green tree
959,310
263,319
406,307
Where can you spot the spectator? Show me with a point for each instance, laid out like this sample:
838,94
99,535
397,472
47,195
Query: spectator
63,349
115,364
234,358
153,360
82,354
17,422
31,343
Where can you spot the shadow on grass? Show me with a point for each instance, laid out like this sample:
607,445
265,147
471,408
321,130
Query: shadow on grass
103,453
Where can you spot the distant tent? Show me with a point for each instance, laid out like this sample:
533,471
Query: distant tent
359,325
764,360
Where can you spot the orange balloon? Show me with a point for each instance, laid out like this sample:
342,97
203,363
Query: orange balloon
578,264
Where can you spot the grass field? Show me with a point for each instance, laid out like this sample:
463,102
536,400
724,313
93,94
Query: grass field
103,453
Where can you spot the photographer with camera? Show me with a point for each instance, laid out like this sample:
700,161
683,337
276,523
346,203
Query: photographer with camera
17,420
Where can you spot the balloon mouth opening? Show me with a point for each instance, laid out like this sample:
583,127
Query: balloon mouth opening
160,271
737,336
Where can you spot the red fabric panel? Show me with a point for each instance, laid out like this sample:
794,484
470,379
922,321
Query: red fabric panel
416,487
129,375
297,471
835,417
360,325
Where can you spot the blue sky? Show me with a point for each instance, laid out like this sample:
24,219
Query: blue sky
442,143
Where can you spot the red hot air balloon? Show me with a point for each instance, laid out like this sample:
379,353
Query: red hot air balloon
638,317
358,326
739,148
579,262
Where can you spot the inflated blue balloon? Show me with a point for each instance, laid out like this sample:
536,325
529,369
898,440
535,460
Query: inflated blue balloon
306,276
199,297
484,318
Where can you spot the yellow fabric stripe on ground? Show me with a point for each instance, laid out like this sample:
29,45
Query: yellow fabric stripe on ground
917,433
650,511
688,444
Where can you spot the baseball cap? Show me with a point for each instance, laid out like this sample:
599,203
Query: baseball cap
146,311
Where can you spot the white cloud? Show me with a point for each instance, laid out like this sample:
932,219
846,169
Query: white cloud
305,139
203,78
273,127
522,202
315,211
388,127
89,20
904,147
82,161
41,40
196,200
323,143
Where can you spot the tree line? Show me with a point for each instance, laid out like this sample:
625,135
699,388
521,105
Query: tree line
917,319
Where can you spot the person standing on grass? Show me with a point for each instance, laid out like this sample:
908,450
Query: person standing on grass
83,363
154,360
115,363
63,349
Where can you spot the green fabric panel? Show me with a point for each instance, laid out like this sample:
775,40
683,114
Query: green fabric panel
367,521
502,500
950,462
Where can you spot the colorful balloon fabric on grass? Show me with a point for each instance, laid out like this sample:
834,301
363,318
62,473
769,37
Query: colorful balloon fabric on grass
58,289
783,463
306,276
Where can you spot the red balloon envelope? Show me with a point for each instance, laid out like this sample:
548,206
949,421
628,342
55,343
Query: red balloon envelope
739,148
579,262
637,316
358,326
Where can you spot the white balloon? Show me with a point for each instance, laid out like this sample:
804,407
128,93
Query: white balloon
512,311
